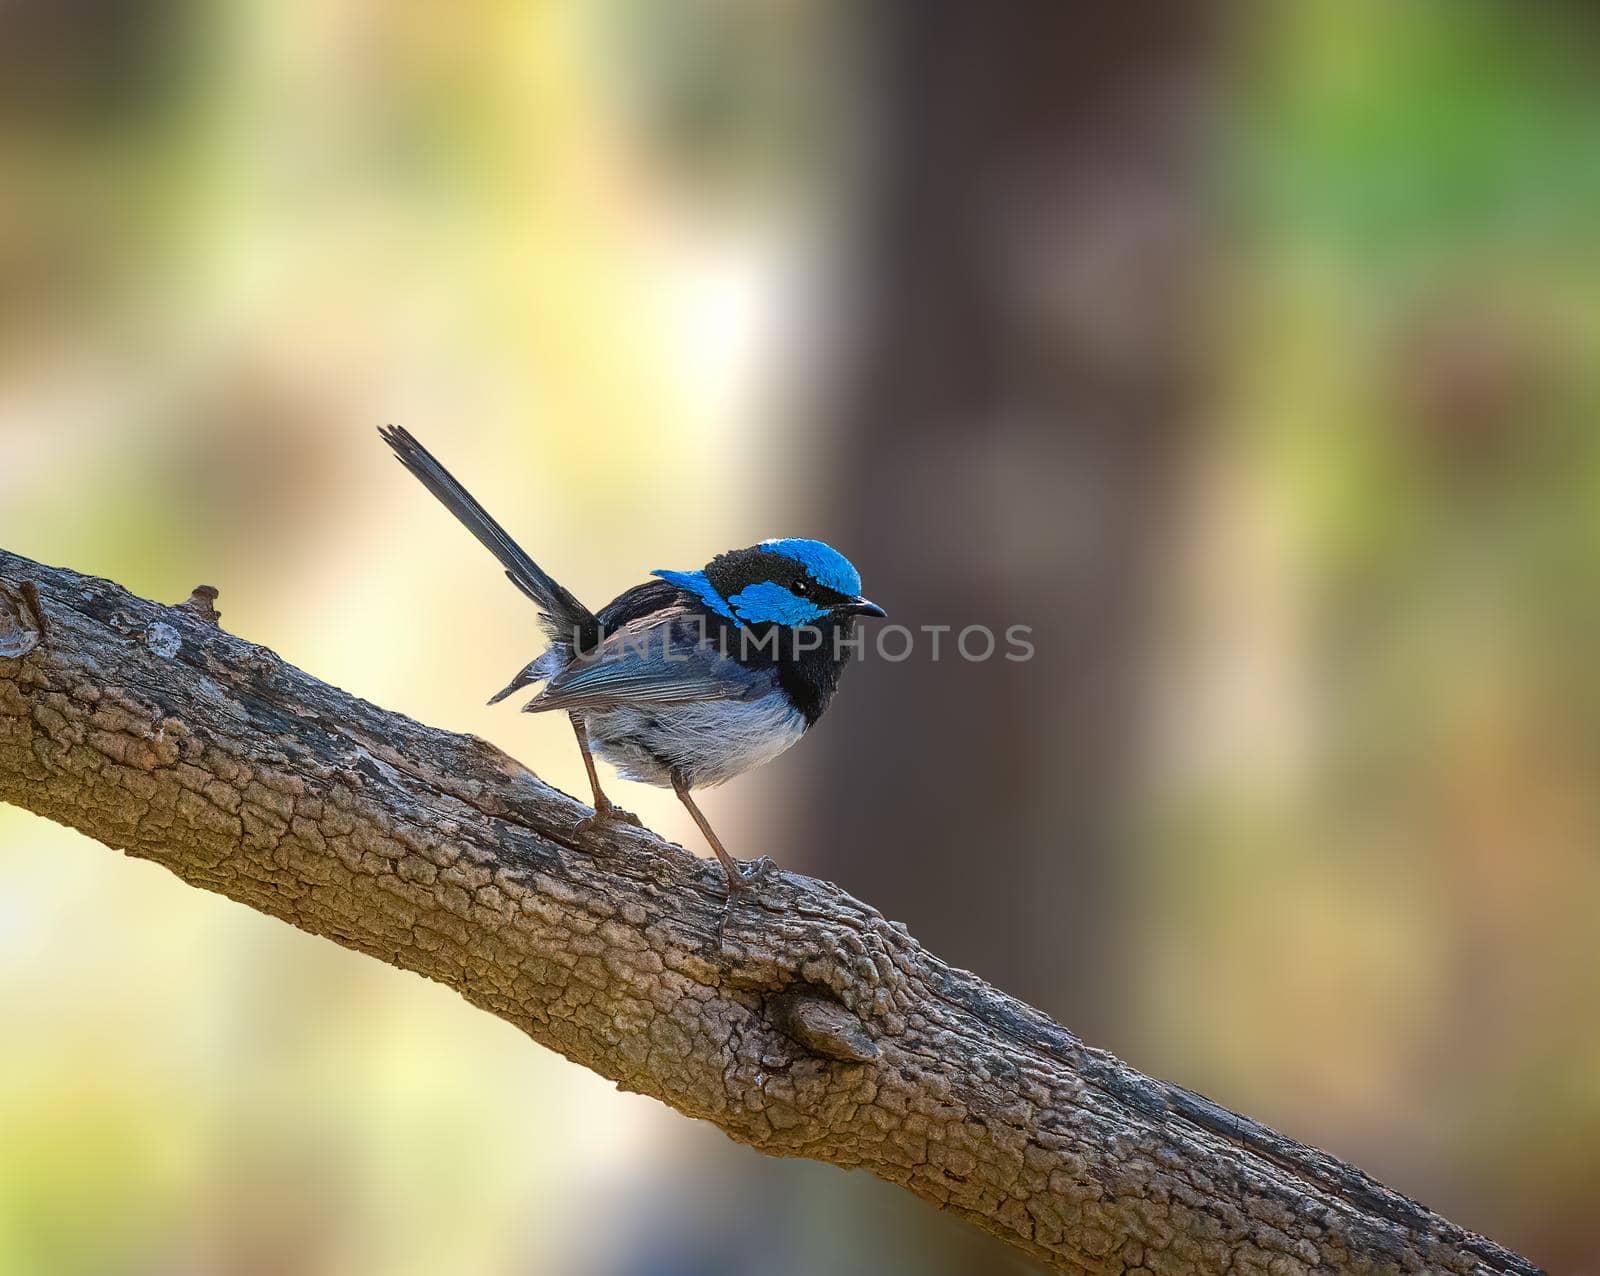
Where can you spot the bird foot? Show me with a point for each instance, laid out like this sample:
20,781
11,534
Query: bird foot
608,815
751,873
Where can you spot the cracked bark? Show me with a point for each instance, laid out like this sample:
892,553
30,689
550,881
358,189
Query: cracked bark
801,1022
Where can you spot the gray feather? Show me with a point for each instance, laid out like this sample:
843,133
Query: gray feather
705,743
659,659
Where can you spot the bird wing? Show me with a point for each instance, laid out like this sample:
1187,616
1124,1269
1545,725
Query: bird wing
639,603
660,658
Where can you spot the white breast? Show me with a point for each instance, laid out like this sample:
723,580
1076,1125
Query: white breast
708,742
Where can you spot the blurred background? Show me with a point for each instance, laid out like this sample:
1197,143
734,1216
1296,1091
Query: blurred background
1246,351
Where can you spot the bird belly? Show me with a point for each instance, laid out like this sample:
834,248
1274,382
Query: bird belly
707,742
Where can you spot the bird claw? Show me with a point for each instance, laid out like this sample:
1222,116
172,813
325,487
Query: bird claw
608,815
759,868
751,874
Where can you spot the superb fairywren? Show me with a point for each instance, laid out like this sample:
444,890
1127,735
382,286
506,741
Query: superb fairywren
687,680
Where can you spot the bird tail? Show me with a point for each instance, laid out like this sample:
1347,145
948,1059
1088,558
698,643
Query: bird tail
565,618
536,670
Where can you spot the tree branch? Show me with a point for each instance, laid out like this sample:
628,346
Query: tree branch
800,1022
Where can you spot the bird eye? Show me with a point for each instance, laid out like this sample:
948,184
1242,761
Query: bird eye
802,588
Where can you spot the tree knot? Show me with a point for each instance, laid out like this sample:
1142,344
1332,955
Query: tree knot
822,1026
22,622
201,602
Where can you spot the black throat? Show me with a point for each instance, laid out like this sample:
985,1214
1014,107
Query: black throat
807,673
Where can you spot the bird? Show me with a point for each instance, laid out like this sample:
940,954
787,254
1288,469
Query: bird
689,679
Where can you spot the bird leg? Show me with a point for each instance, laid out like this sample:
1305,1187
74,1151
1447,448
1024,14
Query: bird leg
736,882
605,811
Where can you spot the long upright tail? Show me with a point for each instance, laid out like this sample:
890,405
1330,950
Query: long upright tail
565,617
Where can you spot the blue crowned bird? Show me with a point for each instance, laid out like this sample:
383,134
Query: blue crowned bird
691,678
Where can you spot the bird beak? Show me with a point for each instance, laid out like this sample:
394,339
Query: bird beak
859,606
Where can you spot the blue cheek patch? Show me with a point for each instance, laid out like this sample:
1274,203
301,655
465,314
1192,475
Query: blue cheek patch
826,564
769,602
697,584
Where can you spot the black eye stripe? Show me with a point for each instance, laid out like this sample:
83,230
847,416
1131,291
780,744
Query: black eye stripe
738,570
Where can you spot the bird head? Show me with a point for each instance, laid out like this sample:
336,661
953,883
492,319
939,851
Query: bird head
788,582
